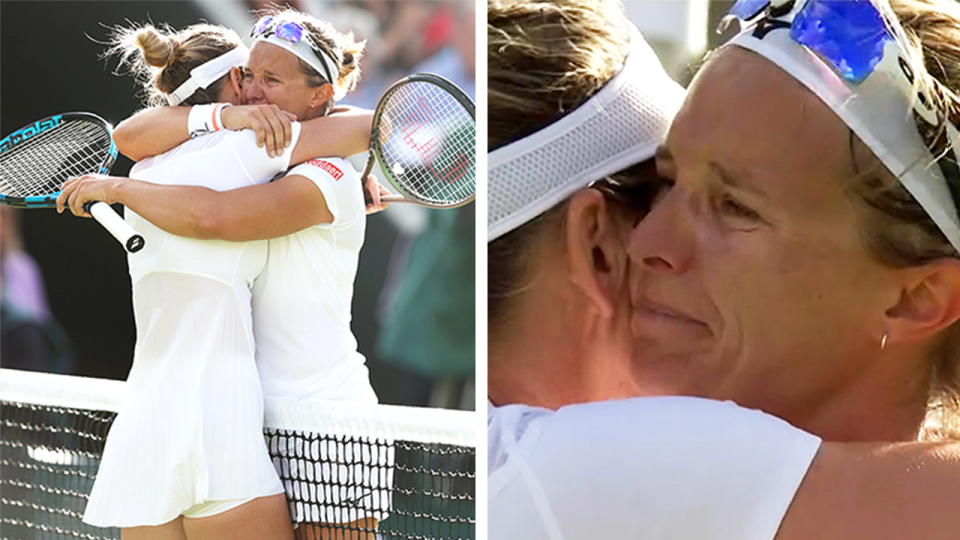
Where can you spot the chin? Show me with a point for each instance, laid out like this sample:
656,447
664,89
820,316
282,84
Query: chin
670,370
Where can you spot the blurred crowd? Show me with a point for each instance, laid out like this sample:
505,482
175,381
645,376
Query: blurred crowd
30,338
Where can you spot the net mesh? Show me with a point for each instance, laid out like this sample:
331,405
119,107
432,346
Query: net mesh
350,472
37,160
428,144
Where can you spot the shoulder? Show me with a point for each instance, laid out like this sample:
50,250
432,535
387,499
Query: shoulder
669,421
651,460
200,145
337,181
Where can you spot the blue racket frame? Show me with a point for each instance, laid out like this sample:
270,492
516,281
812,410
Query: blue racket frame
11,142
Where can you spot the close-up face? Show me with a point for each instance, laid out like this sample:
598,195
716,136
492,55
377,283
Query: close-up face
272,75
750,280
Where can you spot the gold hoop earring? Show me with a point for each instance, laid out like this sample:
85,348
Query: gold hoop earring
883,342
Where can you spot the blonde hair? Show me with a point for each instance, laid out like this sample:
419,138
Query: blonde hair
897,229
160,59
340,46
544,59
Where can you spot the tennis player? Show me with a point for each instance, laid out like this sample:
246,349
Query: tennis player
825,287
186,457
301,301
657,467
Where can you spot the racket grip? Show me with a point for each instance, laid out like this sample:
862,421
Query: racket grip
368,167
367,199
115,224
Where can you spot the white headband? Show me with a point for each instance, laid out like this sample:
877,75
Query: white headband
879,111
208,72
619,126
303,50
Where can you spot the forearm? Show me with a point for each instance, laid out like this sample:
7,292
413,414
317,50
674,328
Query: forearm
258,212
152,132
189,211
341,134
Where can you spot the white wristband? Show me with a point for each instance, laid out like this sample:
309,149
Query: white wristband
205,119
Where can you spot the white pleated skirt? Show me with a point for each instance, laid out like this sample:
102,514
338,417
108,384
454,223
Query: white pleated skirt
191,428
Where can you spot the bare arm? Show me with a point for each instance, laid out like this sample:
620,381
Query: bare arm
344,132
341,134
878,492
269,210
151,132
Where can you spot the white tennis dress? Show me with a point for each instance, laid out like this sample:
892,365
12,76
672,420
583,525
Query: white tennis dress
191,428
644,468
306,349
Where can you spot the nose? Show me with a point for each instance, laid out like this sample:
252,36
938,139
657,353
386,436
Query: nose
663,241
253,92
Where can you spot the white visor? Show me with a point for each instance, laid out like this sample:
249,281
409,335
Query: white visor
880,111
619,126
209,72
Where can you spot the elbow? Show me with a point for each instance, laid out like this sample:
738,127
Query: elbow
207,226
204,221
125,140
215,224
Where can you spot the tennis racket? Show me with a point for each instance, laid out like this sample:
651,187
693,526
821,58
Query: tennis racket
424,136
37,159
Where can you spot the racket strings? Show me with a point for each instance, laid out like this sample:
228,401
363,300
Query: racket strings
40,165
429,145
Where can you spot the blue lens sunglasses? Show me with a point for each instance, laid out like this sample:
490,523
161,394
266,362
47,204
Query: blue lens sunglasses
292,32
852,37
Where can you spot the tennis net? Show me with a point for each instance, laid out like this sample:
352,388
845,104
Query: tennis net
412,470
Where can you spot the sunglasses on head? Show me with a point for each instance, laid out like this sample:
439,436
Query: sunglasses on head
852,37
289,31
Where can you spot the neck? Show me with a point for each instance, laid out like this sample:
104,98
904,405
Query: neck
885,403
559,353
311,113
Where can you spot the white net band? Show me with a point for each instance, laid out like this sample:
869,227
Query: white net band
441,426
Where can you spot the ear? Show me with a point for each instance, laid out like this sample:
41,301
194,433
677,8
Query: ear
929,302
235,82
596,259
321,95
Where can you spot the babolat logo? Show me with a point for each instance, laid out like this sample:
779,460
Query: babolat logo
29,131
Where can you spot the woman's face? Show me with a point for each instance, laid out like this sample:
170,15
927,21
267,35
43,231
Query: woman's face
750,280
272,76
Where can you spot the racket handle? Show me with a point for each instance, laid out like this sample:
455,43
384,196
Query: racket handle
363,177
368,167
398,199
119,228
